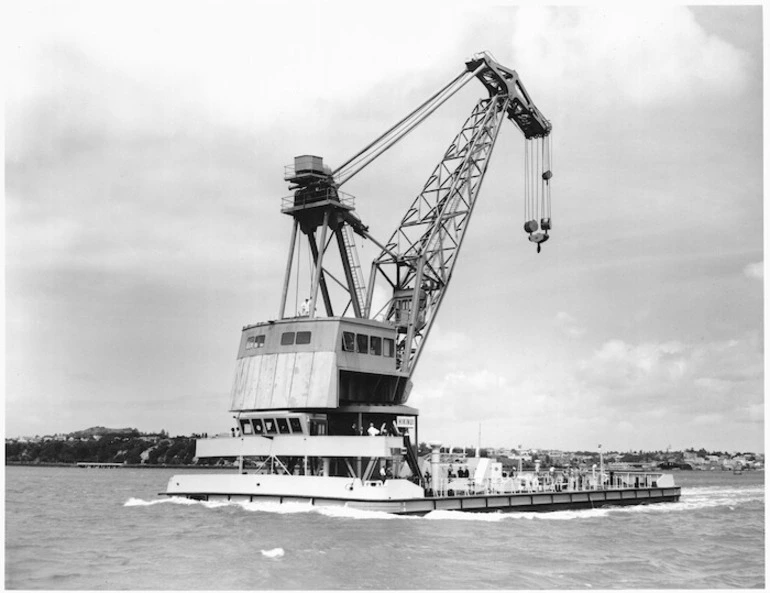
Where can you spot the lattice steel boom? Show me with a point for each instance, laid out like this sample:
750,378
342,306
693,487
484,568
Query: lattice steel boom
418,260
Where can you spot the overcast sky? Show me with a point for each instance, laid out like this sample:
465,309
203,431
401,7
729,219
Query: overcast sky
145,146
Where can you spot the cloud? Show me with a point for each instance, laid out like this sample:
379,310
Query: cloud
625,393
247,62
705,378
755,270
104,174
443,342
630,53
568,325
617,364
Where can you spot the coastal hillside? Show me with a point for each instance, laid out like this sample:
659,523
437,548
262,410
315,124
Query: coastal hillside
105,445
129,446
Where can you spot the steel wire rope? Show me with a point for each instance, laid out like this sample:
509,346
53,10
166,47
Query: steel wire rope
526,181
395,139
526,218
339,170
433,104
538,197
535,180
529,181
532,184
398,131
541,183
550,168
546,167
538,181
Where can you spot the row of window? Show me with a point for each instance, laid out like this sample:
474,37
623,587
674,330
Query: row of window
290,338
351,342
271,426
255,342
364,344
287,339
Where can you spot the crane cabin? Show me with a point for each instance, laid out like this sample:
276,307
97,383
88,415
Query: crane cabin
318,364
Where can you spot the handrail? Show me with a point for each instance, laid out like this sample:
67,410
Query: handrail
330,194
544,482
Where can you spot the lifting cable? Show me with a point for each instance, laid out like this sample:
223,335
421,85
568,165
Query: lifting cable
376,148
341,169
537,188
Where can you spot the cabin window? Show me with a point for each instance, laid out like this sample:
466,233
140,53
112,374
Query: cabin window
388,351
258,428
362,343
348,341
287,339
259,341
283,425
375,345
303,337
246,427
270,426
296,425
250,343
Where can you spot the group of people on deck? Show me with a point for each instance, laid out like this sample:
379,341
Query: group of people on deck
461,473
385,429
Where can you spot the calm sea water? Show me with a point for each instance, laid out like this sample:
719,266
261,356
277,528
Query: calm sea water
109,529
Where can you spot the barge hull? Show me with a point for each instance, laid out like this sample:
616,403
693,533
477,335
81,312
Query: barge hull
486,503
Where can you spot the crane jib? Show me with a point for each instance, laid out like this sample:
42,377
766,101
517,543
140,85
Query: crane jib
500,80
414,267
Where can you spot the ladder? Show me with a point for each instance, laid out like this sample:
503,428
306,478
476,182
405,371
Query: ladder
356,273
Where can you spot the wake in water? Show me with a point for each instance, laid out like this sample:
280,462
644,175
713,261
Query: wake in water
288,508
692,499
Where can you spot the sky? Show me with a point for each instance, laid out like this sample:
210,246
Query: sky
144,157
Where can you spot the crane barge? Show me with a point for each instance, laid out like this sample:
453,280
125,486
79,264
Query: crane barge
320,395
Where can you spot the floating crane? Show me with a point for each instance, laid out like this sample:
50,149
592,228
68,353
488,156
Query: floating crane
309,386
336,374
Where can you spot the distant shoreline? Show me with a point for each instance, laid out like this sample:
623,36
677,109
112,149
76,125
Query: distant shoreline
118,466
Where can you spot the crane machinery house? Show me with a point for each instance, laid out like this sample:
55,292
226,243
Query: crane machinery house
320,392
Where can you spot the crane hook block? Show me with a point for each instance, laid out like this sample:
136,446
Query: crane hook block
530,226
547,175
545,224
538,238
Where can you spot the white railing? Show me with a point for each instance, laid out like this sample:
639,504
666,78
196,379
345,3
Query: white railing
529,483
319,196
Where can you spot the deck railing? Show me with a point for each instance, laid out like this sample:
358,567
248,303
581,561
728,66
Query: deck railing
532,483
333,195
